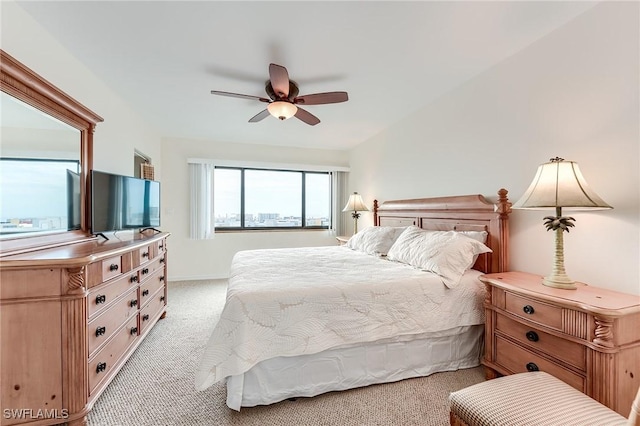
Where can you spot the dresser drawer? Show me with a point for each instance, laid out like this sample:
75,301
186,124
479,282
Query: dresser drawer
102,297
101,328
144,254
104,361
146,270
157,263
519,360
533,310
162,246
149,313
111,267
151,286
556,347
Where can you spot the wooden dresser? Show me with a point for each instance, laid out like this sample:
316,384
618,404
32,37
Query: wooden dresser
70,317
589,337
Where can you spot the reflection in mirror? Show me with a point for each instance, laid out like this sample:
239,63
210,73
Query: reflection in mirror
39,171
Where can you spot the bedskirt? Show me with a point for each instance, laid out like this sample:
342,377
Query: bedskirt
354,366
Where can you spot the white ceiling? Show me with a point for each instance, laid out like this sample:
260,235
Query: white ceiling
392,58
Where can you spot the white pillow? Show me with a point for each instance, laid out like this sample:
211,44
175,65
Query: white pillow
476,235
376,240
446,253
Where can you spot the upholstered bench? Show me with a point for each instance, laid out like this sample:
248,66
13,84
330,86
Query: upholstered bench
536,399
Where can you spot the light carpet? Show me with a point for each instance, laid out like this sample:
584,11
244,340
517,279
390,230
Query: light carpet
156,385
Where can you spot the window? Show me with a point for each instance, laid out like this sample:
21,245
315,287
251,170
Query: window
246,198
39,195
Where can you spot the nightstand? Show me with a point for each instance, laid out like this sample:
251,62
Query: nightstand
342,239
589,337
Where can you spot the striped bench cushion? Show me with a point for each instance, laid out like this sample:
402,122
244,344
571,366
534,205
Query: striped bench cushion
535,398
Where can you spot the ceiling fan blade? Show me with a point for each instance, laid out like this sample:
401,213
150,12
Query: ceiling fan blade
322,98
307,117
259,116
279,80
238,95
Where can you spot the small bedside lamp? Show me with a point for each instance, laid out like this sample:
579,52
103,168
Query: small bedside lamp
355,205
559,184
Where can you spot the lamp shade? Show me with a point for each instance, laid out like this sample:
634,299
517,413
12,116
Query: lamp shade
355,204
282,110
559,183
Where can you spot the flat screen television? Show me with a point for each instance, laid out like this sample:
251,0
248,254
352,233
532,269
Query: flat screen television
123,202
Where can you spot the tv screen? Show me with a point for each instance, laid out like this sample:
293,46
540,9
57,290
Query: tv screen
123,202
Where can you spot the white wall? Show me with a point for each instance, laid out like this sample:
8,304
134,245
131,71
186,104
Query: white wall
122,131
197,259
572,94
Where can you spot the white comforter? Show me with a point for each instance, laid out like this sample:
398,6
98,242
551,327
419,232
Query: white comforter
286,302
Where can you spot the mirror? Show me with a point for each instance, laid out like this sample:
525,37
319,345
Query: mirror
39,171
45,158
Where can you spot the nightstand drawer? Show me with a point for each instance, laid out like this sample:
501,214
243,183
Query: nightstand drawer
564,350
533,310
520,360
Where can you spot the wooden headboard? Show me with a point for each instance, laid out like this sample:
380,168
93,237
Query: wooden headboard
456,213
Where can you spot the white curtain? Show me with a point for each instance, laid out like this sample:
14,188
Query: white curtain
201,201
340,197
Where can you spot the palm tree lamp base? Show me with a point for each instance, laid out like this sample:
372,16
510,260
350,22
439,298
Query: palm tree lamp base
558,277
559,281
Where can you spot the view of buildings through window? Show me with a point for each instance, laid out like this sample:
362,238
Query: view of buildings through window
39,195
272,198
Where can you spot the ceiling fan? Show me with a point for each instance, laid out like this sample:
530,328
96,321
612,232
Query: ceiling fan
283,101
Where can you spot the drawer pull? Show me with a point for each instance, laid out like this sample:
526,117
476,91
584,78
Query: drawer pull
145,254
101,331
532,336
113,267
532,367
161,278
162,260
145,317
528,309
145,271
133,303
134,330
101,367
101,299
145,292
160,246
162,298
134,279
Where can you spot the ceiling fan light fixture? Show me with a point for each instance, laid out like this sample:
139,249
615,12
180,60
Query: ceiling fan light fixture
282,110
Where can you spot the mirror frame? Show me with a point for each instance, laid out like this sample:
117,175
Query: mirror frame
19,81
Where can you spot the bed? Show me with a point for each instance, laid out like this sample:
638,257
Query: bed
301,322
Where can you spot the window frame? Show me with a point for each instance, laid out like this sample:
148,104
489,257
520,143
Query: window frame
303,227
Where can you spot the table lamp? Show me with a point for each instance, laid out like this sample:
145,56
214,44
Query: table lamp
559,184
355,205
